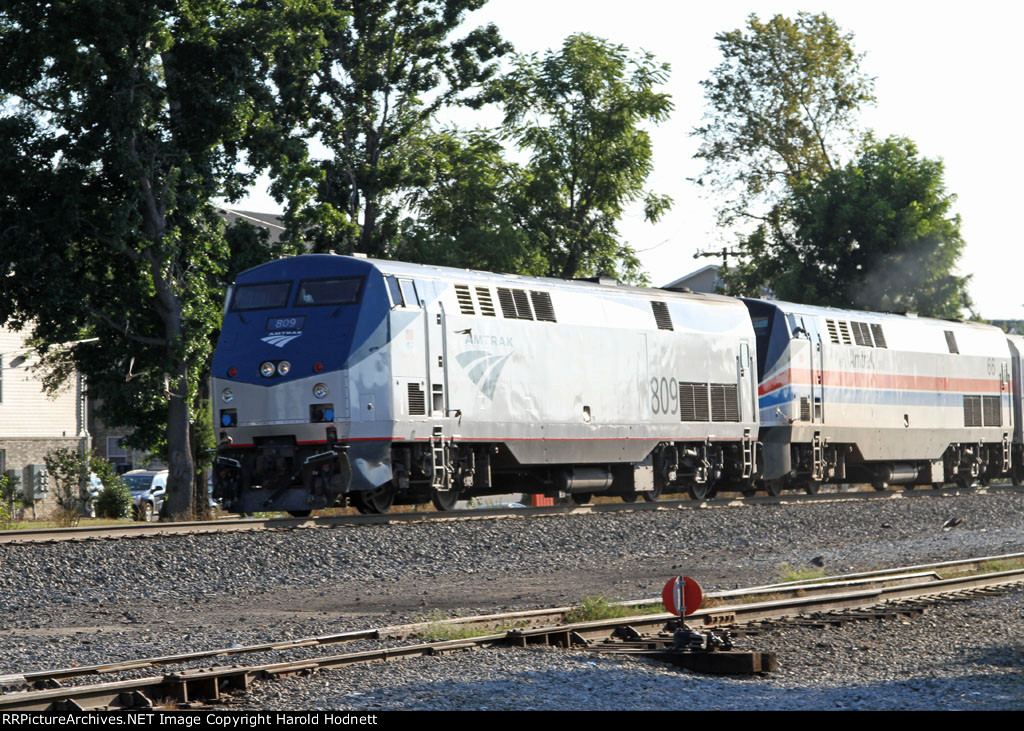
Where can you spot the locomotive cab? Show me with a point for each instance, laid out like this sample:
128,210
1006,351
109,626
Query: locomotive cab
300,336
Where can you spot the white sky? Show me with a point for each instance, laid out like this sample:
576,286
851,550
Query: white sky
946,77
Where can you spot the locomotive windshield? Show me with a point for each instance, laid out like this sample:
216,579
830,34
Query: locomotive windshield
262,296
334,291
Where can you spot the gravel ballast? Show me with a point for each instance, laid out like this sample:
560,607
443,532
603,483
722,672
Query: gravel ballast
99,601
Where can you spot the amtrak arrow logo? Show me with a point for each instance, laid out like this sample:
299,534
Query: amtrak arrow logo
280,339
483,369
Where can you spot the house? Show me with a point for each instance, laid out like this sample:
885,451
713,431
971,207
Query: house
32,422
705,279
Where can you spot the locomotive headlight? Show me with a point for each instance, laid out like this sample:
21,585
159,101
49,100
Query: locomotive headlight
320,390
267,369
283,367
227,396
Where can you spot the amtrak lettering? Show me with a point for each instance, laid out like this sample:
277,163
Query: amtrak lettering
492,340
281,339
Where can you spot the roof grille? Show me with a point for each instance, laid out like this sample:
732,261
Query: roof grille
862,333
508,305
951,342
833,331
876,330
661,315
483,296
844,332
465,299
522,304
542,307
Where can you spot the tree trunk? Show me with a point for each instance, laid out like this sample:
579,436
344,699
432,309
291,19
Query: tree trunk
179,448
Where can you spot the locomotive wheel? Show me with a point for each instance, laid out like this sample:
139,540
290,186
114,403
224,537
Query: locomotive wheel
581,498
773,487
964,483
1016,472
374,501
444,500
629,497
812,487
300,513
701,491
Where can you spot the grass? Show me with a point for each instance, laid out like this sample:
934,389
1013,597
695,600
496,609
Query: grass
988,567
788,574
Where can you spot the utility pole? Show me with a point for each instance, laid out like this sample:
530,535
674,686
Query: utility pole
725,253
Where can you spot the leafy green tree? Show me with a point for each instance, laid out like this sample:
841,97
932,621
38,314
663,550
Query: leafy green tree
472,210
579,112
382,79
877,233
120,122
782,108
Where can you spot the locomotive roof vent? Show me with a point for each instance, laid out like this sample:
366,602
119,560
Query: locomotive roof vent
661,315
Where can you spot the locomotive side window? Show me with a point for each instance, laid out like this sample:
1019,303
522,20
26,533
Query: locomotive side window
263,296
402,292
409,298
334,291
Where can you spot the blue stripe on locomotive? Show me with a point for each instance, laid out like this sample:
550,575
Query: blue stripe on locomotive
329,335
885,397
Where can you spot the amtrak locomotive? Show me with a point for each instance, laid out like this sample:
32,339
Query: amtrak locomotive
373,382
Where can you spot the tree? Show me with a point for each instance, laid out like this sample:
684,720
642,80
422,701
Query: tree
783,104
876,233
121,121
381,81
472,210
579,113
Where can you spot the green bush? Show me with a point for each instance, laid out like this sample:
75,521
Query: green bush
115,499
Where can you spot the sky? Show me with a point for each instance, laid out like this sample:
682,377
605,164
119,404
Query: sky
946,76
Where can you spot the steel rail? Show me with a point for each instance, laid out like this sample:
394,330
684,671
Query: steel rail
520,619
136,530
205,685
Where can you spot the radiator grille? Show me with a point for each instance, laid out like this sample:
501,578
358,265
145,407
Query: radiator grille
417,400
951,342
542,307
861,333
725,402
991,413
833,331
693,402
876,330
972,410
805,409
522,304
514,304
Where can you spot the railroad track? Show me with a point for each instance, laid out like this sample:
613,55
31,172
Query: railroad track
901,591
141,530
